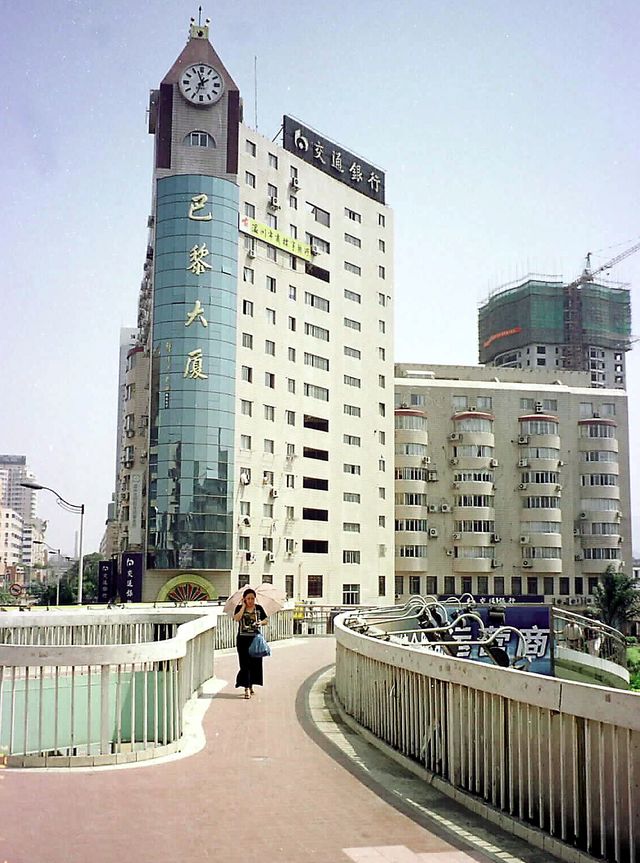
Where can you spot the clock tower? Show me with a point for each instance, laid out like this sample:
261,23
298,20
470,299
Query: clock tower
191,338
195,115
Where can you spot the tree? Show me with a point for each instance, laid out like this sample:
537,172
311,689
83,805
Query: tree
616,599
89,579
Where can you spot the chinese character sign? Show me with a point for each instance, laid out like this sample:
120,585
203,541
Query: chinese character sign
106,581
276,238
130,580
333,160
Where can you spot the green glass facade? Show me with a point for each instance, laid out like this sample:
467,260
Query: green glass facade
193,374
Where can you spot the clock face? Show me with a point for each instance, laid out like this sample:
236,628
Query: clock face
201,84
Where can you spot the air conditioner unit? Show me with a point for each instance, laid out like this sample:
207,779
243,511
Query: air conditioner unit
526,564
250,557
457,536
454,460
596,414
246,521
455,485
560,463
426,460
315,250
522,462
274,203
524,540
433,507
245,478
449,552
130,433
583,515
538,407
493,462
295,183
577,557
271,557
558,488
274,492
577,531
251,253
523,439
433,532
128,464
455,436
445,508
496,537
522,486
494,563
144,453
618,514
432,476
473,408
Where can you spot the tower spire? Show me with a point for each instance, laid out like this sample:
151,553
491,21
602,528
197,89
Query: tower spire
198,30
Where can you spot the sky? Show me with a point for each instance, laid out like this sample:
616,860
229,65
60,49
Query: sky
508,132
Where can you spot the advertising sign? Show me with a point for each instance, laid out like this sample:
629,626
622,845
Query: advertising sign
106,581
534,622
276,238
332,159
130,580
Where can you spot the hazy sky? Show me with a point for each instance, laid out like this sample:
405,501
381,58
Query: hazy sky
509,133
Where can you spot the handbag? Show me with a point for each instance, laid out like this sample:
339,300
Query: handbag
259,647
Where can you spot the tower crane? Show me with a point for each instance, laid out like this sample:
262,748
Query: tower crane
575,357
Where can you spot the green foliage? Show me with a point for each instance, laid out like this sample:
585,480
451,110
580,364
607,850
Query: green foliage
69,584
616,599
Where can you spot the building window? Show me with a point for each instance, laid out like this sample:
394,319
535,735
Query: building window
246,374
290,417
382,327
352,352
353,325
269,413
270,347
250,147
351,439
351,497
291,353
292,292
381,220
273,160
314,586
353,469
350,556
246,408
316,392
316,301
449,584
250,179
247,308
351,594
353,296
245,441
351,214
321,216
316,332
270,315
247,341
272,254
352,268
354,241
250,212
316,361
269,380
269,446
293,202
199,139
381,272
291,385
351,381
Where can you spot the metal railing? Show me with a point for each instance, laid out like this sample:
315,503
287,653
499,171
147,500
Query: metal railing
560,756
104,687
588,635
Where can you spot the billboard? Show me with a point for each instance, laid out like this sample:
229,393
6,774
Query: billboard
333,160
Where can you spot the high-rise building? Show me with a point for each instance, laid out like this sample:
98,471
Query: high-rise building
23,501
509,482
257,422
540,322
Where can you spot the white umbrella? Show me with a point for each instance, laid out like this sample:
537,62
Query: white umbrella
268,596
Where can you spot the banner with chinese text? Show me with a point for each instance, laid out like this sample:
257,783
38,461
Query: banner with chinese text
275,238
130,578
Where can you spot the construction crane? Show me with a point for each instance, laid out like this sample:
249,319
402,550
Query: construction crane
575,357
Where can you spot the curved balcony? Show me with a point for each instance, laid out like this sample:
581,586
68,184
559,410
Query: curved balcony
472,564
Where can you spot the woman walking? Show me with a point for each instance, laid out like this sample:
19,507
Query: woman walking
250,617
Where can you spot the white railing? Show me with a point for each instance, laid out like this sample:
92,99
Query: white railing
560,756
104,687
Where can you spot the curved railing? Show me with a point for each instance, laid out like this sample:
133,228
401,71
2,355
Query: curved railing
530,751
104,687
588,635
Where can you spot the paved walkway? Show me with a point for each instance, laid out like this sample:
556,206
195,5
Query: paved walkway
276,781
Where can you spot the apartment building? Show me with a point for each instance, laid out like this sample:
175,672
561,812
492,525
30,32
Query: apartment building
509,482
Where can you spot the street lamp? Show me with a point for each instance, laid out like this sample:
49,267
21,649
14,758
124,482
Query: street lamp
60,555
70,507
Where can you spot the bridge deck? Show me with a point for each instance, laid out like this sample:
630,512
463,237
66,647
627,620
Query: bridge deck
278,780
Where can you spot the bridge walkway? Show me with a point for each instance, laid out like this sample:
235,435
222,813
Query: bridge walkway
279,779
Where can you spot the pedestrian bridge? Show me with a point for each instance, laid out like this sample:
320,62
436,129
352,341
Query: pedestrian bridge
548,763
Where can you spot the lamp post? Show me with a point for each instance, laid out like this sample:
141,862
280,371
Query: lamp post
70,507
60,556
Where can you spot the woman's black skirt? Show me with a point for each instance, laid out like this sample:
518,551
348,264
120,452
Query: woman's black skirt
250,673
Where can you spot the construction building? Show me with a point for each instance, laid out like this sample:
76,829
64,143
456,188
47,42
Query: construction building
540,322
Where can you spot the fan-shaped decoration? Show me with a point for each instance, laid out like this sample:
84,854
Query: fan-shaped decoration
187,592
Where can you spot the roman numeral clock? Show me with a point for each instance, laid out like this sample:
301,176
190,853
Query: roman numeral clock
200,84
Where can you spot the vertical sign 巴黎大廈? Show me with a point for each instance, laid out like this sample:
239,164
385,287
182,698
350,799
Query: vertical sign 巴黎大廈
190,493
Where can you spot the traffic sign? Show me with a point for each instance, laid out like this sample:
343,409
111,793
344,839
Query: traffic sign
15,589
